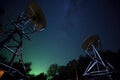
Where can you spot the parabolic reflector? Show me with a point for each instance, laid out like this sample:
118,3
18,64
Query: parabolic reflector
35,13
91,40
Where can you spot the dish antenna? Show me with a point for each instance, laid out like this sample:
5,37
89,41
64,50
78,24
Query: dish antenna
31,20
97,66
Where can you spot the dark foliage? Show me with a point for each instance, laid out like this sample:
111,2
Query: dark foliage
72,70
41,76
11,73
69,72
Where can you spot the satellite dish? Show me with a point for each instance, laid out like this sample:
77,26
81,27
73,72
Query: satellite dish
14,41
91,40
35,13
97,66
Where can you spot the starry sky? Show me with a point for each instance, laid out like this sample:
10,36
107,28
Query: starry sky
69,23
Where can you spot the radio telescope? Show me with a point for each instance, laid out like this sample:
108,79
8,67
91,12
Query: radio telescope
31,20
97,67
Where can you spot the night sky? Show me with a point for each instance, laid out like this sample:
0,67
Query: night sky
69,23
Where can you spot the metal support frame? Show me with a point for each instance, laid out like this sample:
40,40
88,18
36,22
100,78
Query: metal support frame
33,16
15,37
97,66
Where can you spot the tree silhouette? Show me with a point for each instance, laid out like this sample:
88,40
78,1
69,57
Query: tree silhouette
12,74
71,69
62,73
41,76
52,71
68,72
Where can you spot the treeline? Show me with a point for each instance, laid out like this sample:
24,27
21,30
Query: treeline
73,70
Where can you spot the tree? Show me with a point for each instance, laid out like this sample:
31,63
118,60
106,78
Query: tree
56,72
41,76
71,69
12,74
62,73
52,71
